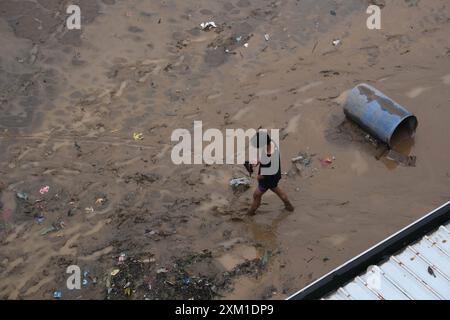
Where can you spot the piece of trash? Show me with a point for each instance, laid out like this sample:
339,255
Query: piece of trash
56,226
84,282
371,140
40,219
162,270
333,13
208,25
336,42
325,162
89,209
22,195
122,257
115,272
100,201
138,136
267,37
127,291
431,272
238,39
406,161
246,44
240,184
57,294
303,158
265,259
48,230
44,190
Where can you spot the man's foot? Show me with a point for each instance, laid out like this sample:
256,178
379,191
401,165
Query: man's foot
289,207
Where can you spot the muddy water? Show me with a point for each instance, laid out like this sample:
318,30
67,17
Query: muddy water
71,101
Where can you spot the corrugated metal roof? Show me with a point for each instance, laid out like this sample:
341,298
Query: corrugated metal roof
419,272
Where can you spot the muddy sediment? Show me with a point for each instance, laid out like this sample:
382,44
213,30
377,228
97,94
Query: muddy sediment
71,102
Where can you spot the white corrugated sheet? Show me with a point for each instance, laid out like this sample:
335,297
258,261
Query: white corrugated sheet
420,272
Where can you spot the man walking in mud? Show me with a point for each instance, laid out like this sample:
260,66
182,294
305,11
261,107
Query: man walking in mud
268,179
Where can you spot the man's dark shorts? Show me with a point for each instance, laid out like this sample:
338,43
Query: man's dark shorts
268,182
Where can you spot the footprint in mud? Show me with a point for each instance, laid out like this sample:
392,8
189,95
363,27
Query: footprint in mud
243,3
446,79
95,255
236,256
414,93
228,6
359,165
241,113
206,12
292,125
309,86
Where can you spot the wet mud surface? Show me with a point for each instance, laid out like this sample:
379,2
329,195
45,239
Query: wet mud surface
141,227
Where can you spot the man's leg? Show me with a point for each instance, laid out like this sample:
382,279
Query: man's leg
257,195
283,196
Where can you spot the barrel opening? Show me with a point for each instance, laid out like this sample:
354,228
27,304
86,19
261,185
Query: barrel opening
404,131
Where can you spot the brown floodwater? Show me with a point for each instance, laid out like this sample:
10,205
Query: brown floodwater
71,102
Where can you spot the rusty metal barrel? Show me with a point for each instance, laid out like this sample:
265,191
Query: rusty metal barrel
377,114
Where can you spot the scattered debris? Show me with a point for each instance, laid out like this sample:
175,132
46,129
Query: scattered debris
336,42
267,37
208,25
371,140
138,136
89,210
303,158
406,161
57,294
246,44
22,196
115,272
100,201
142,178
40,219
56,226
122,258
162,270
326,162
44,190
240,184
302,165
